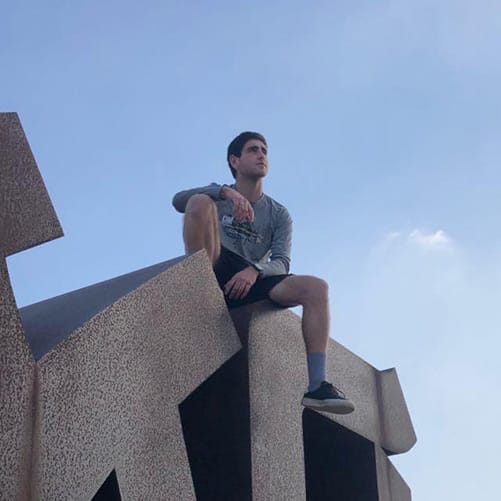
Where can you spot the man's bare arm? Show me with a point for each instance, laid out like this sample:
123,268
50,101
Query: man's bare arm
180,200
242,209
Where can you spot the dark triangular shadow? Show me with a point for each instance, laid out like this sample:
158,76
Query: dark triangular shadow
109,491
339,463
216,428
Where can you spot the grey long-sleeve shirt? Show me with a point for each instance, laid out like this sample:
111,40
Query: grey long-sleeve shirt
266,240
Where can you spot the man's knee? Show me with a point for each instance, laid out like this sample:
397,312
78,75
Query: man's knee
201,206
301,290
313,289
321,287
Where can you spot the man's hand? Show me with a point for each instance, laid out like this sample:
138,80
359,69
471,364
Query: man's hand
239,285
242,209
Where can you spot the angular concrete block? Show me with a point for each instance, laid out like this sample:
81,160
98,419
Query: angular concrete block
396,426
276,376
381,413
49,322
27,217
108,394
391,486
17,376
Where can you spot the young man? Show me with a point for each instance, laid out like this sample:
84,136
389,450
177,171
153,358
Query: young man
247,236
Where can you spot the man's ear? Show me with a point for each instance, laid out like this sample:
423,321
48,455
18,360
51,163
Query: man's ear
234,161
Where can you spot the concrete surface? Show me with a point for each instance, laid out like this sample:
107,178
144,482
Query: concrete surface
27,218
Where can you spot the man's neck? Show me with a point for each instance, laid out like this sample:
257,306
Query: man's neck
252,190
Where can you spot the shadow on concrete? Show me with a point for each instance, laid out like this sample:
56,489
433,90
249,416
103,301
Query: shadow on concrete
339,463
216,427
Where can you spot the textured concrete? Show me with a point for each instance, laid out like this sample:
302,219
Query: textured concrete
276,374
278,377
27,217
17,375
374,416
108,394
397,432
49,322
391,486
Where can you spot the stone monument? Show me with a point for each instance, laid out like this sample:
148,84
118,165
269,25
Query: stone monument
145,386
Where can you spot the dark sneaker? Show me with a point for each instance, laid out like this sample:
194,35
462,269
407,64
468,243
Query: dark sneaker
328,398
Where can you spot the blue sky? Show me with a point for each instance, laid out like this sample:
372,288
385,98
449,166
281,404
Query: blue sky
383,121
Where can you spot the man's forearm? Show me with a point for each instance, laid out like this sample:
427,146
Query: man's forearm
180,199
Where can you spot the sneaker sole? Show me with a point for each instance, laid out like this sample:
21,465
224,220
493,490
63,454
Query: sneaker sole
333,406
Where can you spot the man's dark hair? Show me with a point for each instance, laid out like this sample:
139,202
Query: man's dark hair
236,146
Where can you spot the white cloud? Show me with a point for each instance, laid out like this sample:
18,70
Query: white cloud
438,240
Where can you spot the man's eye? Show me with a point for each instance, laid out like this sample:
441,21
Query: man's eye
255,149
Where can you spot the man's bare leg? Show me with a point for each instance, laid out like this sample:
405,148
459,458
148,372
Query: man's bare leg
312,294
201,227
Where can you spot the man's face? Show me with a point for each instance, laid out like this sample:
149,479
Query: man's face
253,162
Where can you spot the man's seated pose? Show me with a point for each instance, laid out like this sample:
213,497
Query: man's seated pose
247,236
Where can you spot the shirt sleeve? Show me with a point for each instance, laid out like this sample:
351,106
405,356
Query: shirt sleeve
281,242
181,199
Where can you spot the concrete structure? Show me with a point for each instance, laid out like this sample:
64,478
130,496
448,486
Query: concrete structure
144,386
277,378
27,218
107,395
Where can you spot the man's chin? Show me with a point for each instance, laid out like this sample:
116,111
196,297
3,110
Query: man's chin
255,176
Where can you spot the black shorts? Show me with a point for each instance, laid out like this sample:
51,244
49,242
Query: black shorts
228,264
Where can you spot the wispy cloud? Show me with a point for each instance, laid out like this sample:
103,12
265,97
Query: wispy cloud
433,241
437,240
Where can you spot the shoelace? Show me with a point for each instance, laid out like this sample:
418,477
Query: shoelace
336,390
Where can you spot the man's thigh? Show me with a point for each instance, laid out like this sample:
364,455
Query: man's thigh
294,290
262,288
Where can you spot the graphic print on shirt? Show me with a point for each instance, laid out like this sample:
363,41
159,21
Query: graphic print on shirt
240,231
